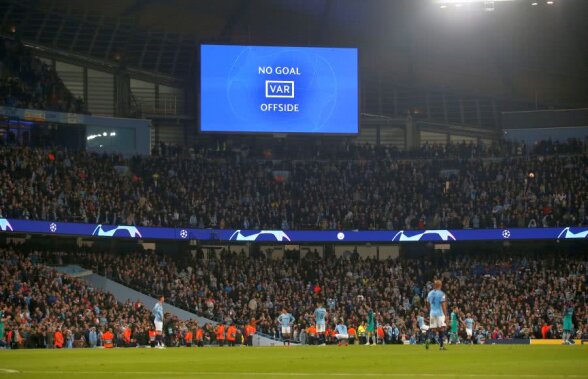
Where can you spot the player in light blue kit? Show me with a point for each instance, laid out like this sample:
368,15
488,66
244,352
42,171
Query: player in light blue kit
158,321
469,327
423,328
320,318
286,320
341,333
438,312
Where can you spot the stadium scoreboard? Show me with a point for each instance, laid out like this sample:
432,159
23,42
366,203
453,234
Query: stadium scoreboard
271,89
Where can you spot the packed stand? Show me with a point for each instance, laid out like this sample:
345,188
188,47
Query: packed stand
41,308
193,189
508,296
27,82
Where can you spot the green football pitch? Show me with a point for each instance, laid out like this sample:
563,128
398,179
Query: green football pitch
462,361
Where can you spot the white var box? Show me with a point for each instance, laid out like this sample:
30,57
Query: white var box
272,96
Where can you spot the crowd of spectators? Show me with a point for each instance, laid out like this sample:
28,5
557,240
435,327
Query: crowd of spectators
510,295
299,148
42,308
36,302
196,188
27,82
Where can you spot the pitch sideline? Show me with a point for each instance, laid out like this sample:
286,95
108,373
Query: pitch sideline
291,374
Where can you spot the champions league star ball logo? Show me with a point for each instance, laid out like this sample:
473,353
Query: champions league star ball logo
119,231
264,235
5,225
568,234
427,235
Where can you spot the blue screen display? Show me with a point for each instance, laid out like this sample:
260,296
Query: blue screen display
278,89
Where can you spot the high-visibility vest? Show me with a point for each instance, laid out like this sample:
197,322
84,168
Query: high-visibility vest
380,332
250,330
58,339
127,335
220,332
151,335
351,332
107,339
188,337
231,333
361,331
199,334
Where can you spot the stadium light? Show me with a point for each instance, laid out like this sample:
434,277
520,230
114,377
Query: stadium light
486,5
534,3
550,2
468,2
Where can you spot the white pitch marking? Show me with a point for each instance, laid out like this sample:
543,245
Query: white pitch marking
302,374
8,371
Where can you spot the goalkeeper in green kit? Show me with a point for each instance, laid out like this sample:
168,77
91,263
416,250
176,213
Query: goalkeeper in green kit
454,335
568,325
371,326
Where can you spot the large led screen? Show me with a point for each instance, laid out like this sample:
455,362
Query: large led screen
268,89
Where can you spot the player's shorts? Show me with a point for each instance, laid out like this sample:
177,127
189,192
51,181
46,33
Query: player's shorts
158,326
424,328
469,332
342,336
286,329
437,321
321,327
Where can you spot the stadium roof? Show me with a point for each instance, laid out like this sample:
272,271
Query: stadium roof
518,50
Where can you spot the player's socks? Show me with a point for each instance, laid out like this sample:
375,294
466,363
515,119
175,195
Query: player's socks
441,338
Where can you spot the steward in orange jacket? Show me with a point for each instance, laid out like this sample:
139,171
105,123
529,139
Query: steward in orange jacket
126,337
108,339
58,339
199,337
188,338
352,335
250,330
220,334
231,335
381,335
311,331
